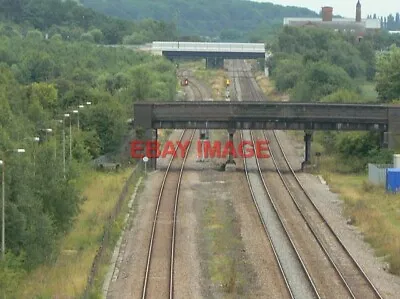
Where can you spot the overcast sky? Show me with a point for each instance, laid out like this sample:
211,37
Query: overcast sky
346,8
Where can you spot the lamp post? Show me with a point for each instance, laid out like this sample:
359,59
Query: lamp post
77,114
35,139
3,198
60,121
65,116
70,140
48,130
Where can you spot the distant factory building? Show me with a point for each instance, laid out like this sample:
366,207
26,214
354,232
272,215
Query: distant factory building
357,25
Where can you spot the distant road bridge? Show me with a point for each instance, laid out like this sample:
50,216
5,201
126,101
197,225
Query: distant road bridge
269,116
214,53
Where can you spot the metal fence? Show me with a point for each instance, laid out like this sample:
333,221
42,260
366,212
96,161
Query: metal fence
100,255
377,173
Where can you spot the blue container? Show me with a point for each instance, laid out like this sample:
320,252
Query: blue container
393,180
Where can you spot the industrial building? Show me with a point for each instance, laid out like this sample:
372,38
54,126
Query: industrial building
357,25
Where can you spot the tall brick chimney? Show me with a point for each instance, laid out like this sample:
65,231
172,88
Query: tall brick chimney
358,11
327,13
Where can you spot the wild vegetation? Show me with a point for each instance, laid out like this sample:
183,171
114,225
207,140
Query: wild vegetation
318,65
70,21
41,79
227,20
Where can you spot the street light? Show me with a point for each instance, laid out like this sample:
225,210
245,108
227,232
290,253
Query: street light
35,140
65,116
48,130
3,196
77,113
60,121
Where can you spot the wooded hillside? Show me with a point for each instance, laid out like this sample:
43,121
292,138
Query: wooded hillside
229,19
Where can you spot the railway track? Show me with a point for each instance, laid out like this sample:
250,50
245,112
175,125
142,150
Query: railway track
158,281
289,240
355,279
294,285
347,270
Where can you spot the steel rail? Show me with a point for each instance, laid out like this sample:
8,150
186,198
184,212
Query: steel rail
324,221
155,221
304,267
281,222
318,239
175,213
178,188
253,196
261,97
330,258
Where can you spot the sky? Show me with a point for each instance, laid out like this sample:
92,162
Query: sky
345,8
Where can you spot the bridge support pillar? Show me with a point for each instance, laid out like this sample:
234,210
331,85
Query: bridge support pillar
307,154
384,140
230,163
152,136
214,62
394,128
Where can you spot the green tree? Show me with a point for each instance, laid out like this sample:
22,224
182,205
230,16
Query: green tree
98,36
87,37
319,80
367,53
141,82
345,55
287,73
44,93
342,96
388,75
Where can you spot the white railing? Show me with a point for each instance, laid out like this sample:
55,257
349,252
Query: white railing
209,47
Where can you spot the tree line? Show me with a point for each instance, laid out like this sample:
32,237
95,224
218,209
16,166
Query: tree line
74,22
226,20
320,65
41,80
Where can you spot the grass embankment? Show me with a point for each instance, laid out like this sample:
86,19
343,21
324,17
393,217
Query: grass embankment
268,87
68,276
368,91
370,208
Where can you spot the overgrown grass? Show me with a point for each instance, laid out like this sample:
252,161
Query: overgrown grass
368,91
68,276
116,230
216,79
222,244
375,212
268,87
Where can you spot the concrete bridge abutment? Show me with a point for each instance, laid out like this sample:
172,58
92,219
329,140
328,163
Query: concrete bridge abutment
308,136
230,164
214,62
